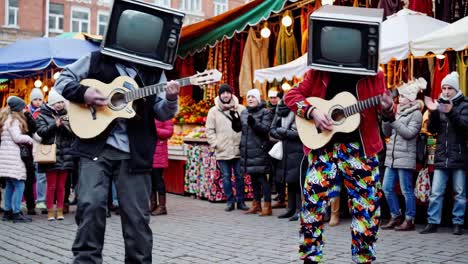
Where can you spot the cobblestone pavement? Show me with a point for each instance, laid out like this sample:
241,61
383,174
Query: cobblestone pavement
198,231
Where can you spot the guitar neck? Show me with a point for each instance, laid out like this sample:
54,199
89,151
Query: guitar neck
361,105
152,90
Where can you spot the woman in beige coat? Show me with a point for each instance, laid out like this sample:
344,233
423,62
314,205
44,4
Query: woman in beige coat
13,127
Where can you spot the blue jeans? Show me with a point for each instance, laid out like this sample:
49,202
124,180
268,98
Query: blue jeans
40,185
405,176
115,200
13,194
436,199
226,167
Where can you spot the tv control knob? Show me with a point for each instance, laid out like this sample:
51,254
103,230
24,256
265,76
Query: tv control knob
372,43
171,43
372,51
176,20
372,30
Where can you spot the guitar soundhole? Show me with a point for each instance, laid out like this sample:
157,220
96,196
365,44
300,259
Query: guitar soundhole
338,115
118,100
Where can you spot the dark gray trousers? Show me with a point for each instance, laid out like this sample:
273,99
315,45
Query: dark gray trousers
133,191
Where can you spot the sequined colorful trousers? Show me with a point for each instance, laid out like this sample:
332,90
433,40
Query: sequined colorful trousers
327,169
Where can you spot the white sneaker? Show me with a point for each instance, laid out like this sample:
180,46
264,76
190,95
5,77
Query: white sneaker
41,205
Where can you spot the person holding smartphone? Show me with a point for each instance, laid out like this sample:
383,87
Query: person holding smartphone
449,119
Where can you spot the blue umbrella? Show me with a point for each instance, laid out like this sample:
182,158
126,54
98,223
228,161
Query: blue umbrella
25,57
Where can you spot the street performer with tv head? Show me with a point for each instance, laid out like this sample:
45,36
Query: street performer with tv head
123,153
348,158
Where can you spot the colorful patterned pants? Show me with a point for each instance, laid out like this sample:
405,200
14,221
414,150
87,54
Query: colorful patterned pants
327,168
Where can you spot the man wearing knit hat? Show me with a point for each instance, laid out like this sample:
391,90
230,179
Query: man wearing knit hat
223,133
449,119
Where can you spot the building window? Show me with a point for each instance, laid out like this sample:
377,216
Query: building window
103,19
56,17
220,6
194,6
80,20
11,16
104,2
165,3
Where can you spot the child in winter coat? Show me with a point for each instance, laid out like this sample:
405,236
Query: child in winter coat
400,160
37,98
53,127
13,127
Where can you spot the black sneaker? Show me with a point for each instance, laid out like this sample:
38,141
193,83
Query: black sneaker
295,217
430,228
242,206
20,218
458,230
287,214
229,207
7,215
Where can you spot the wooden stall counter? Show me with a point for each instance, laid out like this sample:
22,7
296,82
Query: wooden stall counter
174,174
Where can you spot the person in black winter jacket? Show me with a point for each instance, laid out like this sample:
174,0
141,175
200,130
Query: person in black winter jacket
53,128
449,119
254,147
288,169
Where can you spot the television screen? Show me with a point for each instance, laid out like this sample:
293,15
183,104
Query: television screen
139,32
332,40
143,33
344,39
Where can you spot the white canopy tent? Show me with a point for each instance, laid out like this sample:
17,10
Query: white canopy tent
396,34
400,29
453,36
295,68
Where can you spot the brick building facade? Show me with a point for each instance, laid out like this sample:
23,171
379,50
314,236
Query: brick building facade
21,19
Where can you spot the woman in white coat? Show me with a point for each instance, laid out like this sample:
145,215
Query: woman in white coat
13,128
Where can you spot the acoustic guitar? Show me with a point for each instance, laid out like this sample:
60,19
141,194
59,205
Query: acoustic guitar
88,122
344,111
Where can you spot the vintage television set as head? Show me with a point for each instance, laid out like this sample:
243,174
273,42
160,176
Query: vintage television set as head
345,39
143,33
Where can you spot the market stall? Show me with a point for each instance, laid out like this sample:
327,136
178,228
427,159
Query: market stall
193,169
217,43
36,63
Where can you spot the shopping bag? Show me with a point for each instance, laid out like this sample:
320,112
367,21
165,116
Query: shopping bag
46,154
422,190
276,151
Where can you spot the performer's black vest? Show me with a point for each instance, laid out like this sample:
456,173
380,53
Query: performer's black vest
141,129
